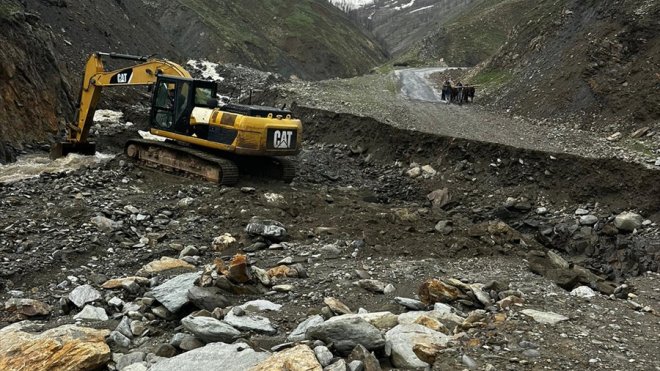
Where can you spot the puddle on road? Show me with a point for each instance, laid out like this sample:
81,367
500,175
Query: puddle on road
31,166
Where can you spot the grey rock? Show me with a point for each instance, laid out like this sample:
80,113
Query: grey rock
444,227
401,339
190,343
355,366
138,328
91,313
330,251
410,303
588,219
105,224
324,355
188,251
210,329
581,212
140,366
260,306
126,360
346,333
340,365
583,292
628,222
367,360
468,362
124,327
165,350
119,339
250,323
299,333
270,229
547,318
208,298
161,312
531,353
84,294
372,285
214,356
173,294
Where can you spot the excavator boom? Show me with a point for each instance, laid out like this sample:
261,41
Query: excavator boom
94,79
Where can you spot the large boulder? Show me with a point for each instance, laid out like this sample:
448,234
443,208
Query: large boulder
628,222
213,357
68,347
346,333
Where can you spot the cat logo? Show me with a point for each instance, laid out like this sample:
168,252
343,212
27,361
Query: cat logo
282,139
122,77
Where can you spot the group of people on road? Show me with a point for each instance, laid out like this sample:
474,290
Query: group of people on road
457,93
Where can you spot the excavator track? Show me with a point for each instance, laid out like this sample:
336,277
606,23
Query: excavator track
186,159
268,167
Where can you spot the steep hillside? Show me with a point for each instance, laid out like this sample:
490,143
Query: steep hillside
586,60
432,32
307,38
474,35
34,95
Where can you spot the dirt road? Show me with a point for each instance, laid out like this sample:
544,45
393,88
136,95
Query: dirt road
406,99
415,84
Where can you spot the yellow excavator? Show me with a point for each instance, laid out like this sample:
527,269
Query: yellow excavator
196,133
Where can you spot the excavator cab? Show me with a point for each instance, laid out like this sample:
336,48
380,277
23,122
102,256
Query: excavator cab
174,99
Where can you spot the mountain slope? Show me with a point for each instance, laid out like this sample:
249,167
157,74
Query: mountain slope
308,38
34,94
585,60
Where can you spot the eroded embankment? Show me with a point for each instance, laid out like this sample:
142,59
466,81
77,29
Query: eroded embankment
562,177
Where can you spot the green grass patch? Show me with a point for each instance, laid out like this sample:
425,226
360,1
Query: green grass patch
7,8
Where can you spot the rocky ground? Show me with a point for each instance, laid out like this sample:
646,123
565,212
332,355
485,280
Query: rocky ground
392,249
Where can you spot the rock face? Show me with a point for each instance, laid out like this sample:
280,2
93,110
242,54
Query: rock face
346,333
300,357
26,44
214,356
63,348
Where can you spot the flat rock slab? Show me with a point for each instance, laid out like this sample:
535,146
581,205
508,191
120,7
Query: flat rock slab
84,294
546,318
213,357
68,347
249,322
173,294
210,329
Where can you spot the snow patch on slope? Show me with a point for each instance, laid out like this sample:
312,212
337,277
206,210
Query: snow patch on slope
351,4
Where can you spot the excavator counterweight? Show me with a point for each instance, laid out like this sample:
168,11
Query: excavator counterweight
197,135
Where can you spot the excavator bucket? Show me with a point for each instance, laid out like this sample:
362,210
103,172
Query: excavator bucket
64,148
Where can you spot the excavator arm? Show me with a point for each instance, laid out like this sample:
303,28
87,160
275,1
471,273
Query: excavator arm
95,79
